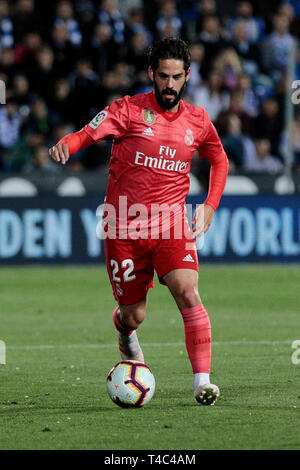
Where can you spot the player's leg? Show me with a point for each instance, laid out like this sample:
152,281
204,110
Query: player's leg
127,319
131,275
176,263
183,285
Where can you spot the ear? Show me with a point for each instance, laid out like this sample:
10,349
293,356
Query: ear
188,75
151,74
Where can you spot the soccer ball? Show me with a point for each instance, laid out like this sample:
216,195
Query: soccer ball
130,384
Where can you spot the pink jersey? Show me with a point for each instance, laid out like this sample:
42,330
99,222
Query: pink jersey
152,148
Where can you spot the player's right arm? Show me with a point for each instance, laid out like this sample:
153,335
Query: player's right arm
69,145
112,122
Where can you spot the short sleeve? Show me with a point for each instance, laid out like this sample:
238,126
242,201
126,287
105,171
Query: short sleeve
110,123
211,146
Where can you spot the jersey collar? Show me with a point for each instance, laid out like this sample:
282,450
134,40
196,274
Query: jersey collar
167,114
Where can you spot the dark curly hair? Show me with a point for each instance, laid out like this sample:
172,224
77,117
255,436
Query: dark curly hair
169,48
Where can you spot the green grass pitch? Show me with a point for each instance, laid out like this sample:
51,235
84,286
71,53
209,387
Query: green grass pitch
60,345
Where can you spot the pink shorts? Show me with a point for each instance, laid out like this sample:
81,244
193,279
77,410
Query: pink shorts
131,264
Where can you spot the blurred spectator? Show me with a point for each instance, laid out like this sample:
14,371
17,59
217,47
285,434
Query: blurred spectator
84,84
40,119
262,160
111,84
26,51
40,164
64,52
65,17
21,90
168,19
110,15
10,126
213,40
26,19
64,102
8,67
43,74
236,106
294,21
229,65
197,56
104,50
136,24
85,12
141,82
24,148
136,55
277,46
211,96
288,11
295,4
205,8
268,124
250,100
188,9
255,27
122,71
168,31
247,51
6,26
230,130
126,7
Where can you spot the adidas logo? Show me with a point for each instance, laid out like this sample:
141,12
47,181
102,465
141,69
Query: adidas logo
148,131
188,258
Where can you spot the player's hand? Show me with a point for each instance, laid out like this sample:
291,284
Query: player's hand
60,153
202,219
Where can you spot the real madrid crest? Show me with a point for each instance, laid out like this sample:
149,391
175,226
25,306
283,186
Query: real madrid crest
189,138
149,116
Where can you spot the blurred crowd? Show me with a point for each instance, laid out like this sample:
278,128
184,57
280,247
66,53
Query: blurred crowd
63,61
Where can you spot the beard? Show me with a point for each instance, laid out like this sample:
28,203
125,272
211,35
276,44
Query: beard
166,103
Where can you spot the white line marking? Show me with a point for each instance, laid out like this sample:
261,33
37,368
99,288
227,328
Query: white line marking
146,345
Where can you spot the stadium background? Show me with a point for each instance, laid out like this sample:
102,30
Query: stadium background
63,61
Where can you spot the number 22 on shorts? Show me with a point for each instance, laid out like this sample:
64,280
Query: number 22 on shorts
126,264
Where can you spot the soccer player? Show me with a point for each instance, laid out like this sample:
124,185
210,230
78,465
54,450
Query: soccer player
154,138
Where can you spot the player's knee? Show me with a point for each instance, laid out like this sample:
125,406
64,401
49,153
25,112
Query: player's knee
187,296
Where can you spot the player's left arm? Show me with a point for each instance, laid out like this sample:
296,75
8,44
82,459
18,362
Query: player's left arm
212,149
